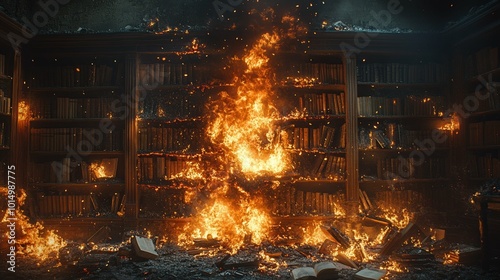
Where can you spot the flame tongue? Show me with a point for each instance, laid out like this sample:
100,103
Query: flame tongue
245,125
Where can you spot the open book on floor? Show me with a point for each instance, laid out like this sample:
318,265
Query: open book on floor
322,270
369,274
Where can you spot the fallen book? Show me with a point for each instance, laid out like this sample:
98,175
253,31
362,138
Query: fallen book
370,274
322,270
144,247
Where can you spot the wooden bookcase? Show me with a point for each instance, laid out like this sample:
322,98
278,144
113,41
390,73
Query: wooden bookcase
76,134
10,79
401,101
477,71
154,93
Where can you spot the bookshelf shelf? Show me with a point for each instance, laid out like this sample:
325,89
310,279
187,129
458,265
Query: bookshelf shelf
75,90
4,115
403,151
485,114
55,154
330,87
4,148
484,148
317,152
400,85
80,187
75,122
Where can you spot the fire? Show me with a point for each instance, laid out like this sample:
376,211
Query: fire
230,223
245,125
398,218
313,235
32,239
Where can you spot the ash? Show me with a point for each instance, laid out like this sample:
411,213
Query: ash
266,261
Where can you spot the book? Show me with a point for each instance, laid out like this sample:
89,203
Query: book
370,274
322,270
144,247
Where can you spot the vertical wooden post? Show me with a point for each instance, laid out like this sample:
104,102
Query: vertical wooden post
130,142
352,186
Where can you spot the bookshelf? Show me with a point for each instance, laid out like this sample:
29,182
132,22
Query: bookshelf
10,70
400,104
76,161
478,65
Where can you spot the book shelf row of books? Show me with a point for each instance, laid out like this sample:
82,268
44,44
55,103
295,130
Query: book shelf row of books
411,105
290,201
410,168
394,136
490,98
2,64
78,205
5,103
484,133
323,73
320,104
70,108
329,167
78,139
175,105
399,199
163,203
87,75
160,169
307,138
485,166
71,171
400,73
180,73
168,138
4,137
482,61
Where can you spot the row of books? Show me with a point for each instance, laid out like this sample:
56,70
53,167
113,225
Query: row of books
2,64
482,61
168,138
492,102
485,166
70,108
78,139
87,75
5,103
321,104
411,105
484,133
4,137
394,136
411,168
290,201
71,171
329,167
400,73
158,169
322,73
163,203
78,205
309,138
174,105
399,199
180,73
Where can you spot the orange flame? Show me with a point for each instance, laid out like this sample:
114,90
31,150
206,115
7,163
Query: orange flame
245,125
32,239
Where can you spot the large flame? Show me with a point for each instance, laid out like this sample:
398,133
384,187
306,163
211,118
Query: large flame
245,125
